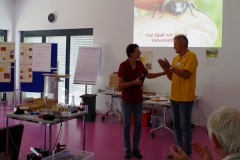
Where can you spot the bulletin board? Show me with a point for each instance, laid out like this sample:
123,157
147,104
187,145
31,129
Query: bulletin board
7,66
37,84
8,86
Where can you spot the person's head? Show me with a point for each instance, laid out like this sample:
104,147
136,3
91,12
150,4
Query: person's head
224,130
180,43
132,49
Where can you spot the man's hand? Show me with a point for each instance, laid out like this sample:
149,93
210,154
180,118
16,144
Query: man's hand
164,64
168,65
201,150
178,153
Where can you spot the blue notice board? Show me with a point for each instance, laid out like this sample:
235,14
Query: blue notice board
37,84
8,86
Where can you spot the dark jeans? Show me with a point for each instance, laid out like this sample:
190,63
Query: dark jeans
127,110
182,124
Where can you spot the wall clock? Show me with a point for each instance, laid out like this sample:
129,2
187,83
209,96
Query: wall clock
51,17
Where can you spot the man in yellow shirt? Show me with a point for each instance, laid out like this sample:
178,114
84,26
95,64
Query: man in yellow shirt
182,73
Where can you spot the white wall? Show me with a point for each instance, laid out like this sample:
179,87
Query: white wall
7,11
104,16
112,22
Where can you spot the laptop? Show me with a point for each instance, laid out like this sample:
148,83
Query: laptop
57,114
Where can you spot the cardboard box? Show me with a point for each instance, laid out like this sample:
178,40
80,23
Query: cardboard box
113,85
28,99
113,78
38,101
50,102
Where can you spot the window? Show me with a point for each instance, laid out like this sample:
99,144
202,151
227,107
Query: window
61,41
77,89
68,42
33,40
1,39
3,35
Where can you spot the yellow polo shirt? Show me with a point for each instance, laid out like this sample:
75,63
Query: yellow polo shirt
183,90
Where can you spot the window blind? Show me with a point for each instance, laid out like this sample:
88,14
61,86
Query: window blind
61,41
1,38
77,90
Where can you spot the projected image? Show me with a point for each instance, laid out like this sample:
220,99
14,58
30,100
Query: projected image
156,22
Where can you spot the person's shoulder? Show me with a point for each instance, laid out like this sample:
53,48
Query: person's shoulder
176,57
191,52
124,63
139,61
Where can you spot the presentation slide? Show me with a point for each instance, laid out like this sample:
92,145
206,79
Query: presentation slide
156,22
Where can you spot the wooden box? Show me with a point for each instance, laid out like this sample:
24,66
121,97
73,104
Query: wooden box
32,106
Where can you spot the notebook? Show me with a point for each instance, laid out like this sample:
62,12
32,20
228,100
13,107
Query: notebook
57,114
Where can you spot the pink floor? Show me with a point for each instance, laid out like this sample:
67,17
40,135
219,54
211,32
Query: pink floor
104,138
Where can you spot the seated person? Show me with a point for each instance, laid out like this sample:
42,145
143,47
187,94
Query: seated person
224,133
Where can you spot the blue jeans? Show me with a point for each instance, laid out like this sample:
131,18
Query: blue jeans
127,110
182,124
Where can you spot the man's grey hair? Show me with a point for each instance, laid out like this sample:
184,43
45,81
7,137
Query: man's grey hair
182,39
224,123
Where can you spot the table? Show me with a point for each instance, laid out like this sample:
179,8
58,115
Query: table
166,106
30,118
113,95
118,95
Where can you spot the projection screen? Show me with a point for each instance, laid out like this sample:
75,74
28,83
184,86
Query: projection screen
156,22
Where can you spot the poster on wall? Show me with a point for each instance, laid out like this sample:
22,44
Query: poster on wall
146,58
25,72
212,57
41,59
5,72
26,53
7,53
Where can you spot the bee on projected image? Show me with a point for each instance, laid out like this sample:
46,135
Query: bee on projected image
176,7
